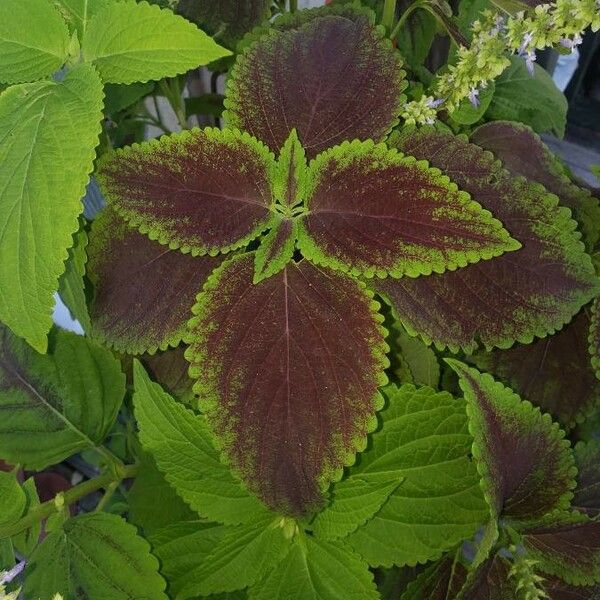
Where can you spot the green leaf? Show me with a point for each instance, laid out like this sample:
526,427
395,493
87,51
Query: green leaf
71,286
594,337
48,132
317,570
415,38
12,499
77,13
153,503
95,556
131,42
568,547
535,101
34,40
587,492
290,173
26,541
418,362
354,501
182,446
120,96
276,249
491,581
65,401
425,440
526,465
467,114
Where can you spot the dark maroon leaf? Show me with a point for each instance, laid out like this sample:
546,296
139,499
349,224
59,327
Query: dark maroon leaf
330,74
372,211
594,336
557,589
143,292
226,20
569,548
170,369
526,465
554,373
523,153
515,297
288,372
491,581
202,191
441,581
587,492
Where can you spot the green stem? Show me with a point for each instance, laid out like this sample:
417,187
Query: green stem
173,95
293,5
389,14
43,511
403,18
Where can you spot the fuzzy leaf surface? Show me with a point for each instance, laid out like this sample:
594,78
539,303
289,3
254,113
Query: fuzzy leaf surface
523,153
516,297
182,446
202,191
587,492
372,211
424,439
143,292
66,400
129,41
227,20
526,465
288,401
330,74
317,570
34,40
553,373
95,556
48,132
568,548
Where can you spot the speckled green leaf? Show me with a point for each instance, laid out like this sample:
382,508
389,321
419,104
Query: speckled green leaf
526,465
516,297
553,373
182,447
143,292
202,191
523,153
423,439
317,570
372,211
276,249
316,72
289,178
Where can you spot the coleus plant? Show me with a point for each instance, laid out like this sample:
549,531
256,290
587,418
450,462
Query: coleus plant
286,259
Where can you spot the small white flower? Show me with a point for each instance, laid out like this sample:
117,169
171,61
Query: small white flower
434,103
527,39
8,576
474,97
529,60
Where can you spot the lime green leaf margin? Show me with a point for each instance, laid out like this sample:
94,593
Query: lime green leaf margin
48,132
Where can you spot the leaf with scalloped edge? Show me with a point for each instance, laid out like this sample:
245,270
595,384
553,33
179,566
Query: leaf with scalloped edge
95,555
316,569
553,373
66,400
227,20
289,177
526,465
443,580
170,369
568,547
332,75
131,41
143,292
354,500
289,403
424,439
202,191
182,447
373,211
48,133
276,249
523,153
34,40
594,336
516,297
587,492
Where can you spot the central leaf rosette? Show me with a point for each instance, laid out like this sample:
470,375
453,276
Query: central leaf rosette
286,343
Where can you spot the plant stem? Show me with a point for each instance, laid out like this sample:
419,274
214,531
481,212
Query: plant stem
389,14
173,95
403,18
43,511
293,5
